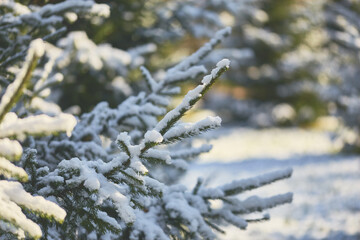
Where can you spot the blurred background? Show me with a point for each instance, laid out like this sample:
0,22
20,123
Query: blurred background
290,98
293,63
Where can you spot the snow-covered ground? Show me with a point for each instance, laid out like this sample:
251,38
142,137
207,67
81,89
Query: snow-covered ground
326,186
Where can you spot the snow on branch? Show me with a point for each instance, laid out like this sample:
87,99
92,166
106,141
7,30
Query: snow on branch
94,181
123,141
237,187
150,82
33,20
114,184
13,198
233,219
257,204
193,59
75,6
190,152
191,98
41,125
12,195
116,189
180,76
15,89
157,156
186,130
9,170
10,149
232,207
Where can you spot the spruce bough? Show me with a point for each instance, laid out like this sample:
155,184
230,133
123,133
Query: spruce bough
113,173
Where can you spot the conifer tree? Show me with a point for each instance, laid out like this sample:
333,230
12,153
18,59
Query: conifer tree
116,175
342,91
277,50
131,26
12,129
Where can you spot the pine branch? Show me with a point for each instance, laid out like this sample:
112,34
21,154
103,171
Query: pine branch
150,82
10,149
123,141
191,98
213,226
41,125
197,186
187,153
10,212
188,130
257,204
201,53
180,76
14,91
156,156
240,186
233,219
9,170
265,217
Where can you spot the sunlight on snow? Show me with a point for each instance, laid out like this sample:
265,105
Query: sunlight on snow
235,144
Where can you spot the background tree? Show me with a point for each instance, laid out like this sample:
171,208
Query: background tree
342,91
281,43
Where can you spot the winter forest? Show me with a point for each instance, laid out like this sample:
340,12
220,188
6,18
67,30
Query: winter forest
180,119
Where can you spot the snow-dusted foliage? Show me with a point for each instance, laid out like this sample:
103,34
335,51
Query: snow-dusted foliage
112,173
112,191
20,24
277,50
12,130
176,18
343,29
92,73
339,85
305,63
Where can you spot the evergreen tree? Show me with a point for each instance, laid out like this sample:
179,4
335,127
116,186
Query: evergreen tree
131,26
277,48
12,129
116,175
342,88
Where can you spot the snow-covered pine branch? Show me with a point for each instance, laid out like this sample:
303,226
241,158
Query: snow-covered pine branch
188,130
12,219
15,89
195,58
189,153
150,82
42,125
191,98
190,215
110,184
103,66
187,214
136,115
123,176
44,22
85,142
237,187
13,198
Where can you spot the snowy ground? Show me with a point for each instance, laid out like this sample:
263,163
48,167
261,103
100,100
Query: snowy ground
326,186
